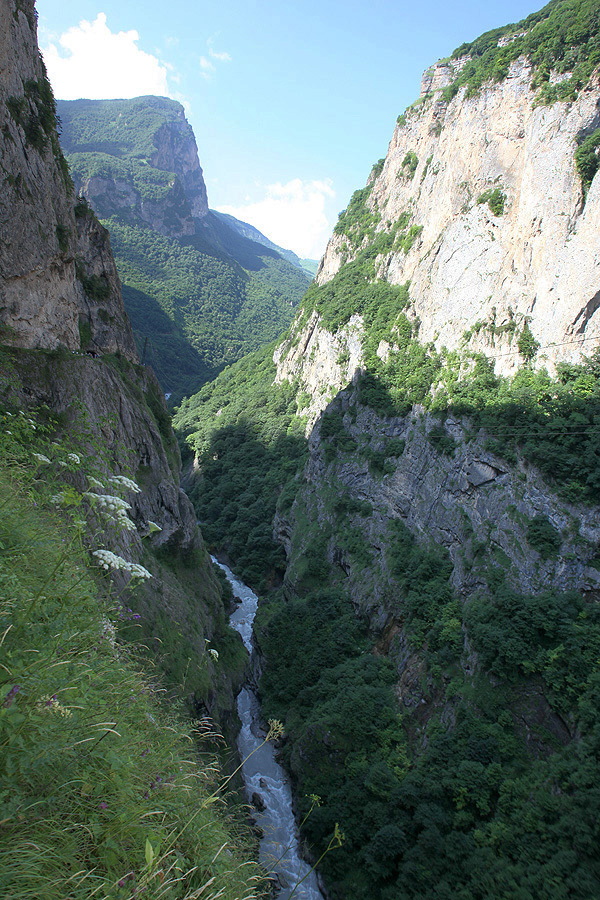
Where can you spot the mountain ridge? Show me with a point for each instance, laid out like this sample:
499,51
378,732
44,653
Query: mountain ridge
199,292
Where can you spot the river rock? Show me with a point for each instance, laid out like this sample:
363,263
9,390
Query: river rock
257,801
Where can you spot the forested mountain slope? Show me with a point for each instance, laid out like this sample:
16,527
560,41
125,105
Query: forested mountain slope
199,291
99,547
431,428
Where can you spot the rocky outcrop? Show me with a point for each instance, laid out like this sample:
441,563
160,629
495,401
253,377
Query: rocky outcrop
505,233
170,215
324,363
458,500
56,271
441,74
176,151
163,189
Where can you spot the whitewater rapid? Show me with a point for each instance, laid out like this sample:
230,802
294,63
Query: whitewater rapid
279,850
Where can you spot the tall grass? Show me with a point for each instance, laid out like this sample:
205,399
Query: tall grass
103,793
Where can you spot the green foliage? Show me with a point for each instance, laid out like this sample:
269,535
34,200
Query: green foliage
377,169
422,577
552,423
95,286
35,111
495,199
441,440
562,37
527,344
409,165
63,233
543,537
555,636
351,292
198,302
344,739
199,308
250,444
426,168
586,159
101,794
85,332
357,221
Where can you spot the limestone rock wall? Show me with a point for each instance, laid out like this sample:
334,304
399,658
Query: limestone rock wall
539,260
176,151
180,203
44,250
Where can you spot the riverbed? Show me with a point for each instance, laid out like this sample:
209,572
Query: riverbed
264,777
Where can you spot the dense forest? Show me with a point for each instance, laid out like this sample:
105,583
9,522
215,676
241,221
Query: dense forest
472,794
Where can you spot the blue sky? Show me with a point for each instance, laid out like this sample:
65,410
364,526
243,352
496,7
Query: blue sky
291,102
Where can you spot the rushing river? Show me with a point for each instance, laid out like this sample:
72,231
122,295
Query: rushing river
265,777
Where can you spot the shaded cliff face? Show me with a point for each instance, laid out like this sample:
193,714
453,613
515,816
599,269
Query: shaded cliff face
67,349
137,160
57,270
500,232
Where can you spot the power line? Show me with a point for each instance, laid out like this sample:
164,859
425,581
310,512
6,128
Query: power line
541,347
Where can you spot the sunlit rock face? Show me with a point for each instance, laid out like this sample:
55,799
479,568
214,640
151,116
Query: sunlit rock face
534,254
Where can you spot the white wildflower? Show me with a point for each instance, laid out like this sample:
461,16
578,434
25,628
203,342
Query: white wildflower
214,653
122,481
95,483
74,458
43,460
109,560
124,521
109,502
138,571
153,527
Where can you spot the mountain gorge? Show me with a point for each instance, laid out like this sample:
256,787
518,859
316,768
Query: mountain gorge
410,477
201,288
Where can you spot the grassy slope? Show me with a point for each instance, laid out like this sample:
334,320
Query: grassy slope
103,793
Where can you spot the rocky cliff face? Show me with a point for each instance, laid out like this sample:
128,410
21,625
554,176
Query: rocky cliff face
502,231
144,167
461,500
57,272
176,151
67,347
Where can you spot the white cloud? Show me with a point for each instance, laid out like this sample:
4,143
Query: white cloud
207,67
292,215
222,57
93,62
